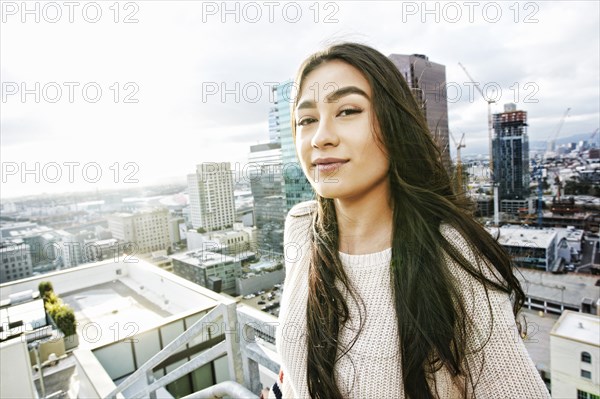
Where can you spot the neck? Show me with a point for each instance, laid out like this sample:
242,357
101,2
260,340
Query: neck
364,225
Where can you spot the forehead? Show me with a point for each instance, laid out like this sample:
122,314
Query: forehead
329,77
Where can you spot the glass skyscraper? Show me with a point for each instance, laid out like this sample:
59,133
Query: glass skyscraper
269,199
296,186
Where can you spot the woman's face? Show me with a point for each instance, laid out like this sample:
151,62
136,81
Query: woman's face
335,136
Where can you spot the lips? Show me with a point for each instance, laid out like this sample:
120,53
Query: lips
328,165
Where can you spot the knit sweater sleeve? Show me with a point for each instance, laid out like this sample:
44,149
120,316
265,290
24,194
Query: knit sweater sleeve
499,363
296,252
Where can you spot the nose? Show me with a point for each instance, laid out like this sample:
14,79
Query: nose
325,135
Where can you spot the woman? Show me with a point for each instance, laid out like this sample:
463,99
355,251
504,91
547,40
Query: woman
392,290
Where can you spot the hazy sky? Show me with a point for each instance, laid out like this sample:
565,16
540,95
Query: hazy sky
138,87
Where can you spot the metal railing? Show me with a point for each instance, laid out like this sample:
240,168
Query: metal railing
227,388
228,347
243,330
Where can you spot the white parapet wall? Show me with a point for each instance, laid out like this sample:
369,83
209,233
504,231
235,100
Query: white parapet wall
15,370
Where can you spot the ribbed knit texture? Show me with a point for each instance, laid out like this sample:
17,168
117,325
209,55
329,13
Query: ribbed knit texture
372,367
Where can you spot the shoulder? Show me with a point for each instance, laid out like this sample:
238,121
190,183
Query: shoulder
475,256
298,222
305,208
453,236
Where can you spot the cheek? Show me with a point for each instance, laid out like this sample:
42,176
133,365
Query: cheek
302,148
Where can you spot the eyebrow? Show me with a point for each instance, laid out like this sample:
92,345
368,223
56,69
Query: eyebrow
334,96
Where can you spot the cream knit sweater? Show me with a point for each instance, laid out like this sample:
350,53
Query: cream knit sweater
371,369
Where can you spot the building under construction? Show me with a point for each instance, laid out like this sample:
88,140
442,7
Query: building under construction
511,158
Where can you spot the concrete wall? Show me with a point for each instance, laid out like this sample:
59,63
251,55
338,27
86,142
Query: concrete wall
249,285
566,366
64,281
15,370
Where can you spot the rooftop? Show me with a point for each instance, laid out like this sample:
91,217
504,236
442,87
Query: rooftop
106,311
516,236
203,258
569,289
579,327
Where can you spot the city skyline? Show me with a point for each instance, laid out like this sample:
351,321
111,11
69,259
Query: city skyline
179,61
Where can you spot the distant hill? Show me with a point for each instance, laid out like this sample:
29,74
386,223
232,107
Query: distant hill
575,138
534,145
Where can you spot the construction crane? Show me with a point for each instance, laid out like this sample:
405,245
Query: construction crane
489,102
459,174
552,143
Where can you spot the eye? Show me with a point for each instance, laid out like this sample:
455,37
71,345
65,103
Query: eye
305,121
349,111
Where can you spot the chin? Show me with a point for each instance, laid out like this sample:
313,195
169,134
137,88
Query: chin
328,191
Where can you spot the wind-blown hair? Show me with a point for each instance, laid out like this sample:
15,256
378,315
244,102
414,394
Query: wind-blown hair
433,323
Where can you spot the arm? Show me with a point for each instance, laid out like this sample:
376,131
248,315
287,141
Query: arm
503,367
498,361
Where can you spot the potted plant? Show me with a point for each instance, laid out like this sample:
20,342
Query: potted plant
64,318
62,314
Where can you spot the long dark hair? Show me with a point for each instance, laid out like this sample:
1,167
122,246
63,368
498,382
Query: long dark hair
434,325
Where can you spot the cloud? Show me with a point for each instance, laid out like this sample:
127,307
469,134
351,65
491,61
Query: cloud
174,53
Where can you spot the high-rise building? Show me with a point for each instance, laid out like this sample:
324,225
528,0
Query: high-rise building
268,192
71,249
15,261
511,154
274,136
212,205
142,232
296,186
427,80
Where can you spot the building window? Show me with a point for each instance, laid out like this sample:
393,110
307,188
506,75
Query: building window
586,395
586,357
586,374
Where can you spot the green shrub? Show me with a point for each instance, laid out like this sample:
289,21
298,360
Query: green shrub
50,299
65,320
53,307
44,288
63,315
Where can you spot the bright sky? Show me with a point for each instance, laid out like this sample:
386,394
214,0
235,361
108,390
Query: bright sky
141,90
